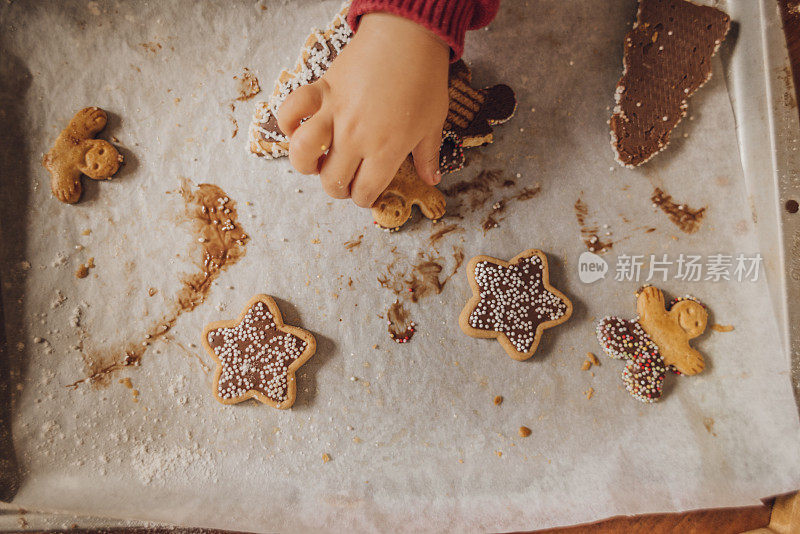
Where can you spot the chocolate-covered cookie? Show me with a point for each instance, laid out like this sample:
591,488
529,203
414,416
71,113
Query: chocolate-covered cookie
257,355
667,57
513,302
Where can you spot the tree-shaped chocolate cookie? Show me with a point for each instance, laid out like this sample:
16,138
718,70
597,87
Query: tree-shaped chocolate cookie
655,342
667,58
76,152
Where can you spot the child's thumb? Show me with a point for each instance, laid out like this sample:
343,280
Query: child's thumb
426,157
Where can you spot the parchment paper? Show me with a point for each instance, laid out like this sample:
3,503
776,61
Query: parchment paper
414,438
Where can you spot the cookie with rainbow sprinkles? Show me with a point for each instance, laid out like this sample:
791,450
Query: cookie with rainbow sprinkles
655,342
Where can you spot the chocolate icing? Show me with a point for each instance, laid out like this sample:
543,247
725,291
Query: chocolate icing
218,242
400,328
255,355
683,216
514,300
643,375
472,112
667,57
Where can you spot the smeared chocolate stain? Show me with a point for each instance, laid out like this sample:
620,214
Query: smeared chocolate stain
424,280
420,279
443,231
248,85
493,218
590,230
220,242
417,281
687,220
479,189
401,328
353,243
190,354
458,260
393,278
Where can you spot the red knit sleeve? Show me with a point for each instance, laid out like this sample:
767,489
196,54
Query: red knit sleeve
449,19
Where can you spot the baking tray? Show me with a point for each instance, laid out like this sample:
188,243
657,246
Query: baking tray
764,102
772,153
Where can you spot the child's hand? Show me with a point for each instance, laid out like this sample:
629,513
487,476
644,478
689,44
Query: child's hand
383,97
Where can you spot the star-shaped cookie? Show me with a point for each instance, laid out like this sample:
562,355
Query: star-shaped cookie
513,302
257,355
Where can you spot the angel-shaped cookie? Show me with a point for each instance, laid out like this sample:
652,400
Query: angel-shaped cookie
655,342
393,207
76,152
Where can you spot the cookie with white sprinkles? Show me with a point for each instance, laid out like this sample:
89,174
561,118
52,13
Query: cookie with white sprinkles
513,302
257,355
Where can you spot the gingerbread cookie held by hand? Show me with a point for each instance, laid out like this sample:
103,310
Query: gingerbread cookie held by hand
393,207
471,115
76,152
655,342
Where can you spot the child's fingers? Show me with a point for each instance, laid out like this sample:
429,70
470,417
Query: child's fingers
426,157
300,104
338,170
372,178
309,143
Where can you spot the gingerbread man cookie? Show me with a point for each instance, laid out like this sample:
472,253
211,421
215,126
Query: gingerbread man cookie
470,118
257,355
513,302
655,342
76,152
393,207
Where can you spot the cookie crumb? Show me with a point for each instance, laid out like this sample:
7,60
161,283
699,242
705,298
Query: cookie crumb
498,400
87,231
722,327
586,365
326,458
83,269
499,454
589,393
524,432
593,358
